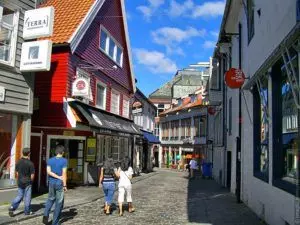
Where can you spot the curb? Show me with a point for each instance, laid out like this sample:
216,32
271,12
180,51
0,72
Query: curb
79,204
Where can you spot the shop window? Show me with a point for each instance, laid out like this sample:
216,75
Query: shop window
5,150
261,129
286,131
250,19
101,95
110,46
8,36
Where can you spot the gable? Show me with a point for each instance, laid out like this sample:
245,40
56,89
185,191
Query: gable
110,16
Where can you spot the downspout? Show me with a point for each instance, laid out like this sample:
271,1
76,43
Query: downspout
238,138
224,129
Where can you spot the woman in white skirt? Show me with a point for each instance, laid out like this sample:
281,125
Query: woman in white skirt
125,173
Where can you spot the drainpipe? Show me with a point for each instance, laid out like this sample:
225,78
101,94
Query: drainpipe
238,138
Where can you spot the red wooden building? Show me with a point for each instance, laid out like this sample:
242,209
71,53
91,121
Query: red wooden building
83,101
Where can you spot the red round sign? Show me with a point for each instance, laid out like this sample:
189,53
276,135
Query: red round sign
234,78
211,110
80,85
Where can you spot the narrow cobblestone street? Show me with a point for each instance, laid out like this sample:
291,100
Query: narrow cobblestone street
167,198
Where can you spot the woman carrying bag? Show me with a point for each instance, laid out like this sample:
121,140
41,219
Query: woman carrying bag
125,173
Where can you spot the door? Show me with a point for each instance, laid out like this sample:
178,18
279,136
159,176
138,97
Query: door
228,174
35,157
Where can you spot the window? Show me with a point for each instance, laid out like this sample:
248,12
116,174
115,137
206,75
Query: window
186,128
230,117
174,129
250,19
8,36
285,134
115,102
165,131
101,95
125,112
203,127
261,129
197,126
111,47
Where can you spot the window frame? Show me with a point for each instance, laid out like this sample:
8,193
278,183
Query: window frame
107,43
99,83
118,93
14,39
250,23
125,98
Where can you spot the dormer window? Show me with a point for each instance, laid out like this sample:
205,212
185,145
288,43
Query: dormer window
111,47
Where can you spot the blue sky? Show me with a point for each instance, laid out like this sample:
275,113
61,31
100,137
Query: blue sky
167,35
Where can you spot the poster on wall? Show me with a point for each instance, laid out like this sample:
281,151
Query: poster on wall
36,56
90,155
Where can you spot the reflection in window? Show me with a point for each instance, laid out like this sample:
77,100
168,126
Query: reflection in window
289,131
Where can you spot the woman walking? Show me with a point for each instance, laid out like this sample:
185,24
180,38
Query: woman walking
107,179
125,173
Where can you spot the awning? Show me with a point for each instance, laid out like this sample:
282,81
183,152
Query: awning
287,137
103,120
150,137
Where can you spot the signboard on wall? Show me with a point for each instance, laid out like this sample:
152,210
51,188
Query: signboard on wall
90,155
81,87
36,56
2,94
38,23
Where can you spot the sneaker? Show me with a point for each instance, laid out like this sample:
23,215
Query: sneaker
29,213
45,219
11,212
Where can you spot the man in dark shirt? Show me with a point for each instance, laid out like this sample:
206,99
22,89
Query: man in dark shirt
57,171
25,176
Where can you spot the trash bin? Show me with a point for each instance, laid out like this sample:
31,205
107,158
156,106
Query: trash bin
207,170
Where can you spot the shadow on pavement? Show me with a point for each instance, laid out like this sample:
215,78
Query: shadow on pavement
68,215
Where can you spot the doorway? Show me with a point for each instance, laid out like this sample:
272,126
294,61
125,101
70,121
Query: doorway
74,153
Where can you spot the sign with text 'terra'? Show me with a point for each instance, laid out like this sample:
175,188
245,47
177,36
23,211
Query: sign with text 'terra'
38,23
234,78
36,56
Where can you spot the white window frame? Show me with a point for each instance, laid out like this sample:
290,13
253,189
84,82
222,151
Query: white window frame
99,83
106,50
125,99
14,39
113,91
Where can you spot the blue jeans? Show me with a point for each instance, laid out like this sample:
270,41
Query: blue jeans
109,190
23,193
56,194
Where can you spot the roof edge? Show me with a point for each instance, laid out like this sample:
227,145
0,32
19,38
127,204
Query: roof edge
128,45
80,31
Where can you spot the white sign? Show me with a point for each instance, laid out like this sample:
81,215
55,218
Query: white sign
38,23
139,110
36,56
2,94
81,87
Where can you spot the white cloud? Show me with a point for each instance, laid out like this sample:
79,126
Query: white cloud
209,44
152,6
172,37
155,61
189,9
209,9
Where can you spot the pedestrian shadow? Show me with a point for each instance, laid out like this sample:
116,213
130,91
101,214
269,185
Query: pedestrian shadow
34,209
68,215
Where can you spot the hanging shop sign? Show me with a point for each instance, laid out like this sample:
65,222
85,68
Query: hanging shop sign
234,78
2,94
138,110
91,150
81,87
38,23
36,56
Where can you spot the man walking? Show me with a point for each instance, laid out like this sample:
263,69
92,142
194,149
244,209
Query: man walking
25,176
193,167
57,172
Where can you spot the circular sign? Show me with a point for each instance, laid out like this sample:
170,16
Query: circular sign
211,110
80,85
234,78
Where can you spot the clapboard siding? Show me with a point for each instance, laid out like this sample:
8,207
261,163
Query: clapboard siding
110,17
18,86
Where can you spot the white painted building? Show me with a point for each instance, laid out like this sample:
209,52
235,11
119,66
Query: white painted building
269,114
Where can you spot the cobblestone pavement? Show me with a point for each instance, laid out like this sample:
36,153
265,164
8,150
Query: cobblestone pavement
167,198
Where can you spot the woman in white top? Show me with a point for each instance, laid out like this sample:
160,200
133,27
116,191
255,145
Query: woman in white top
125,173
